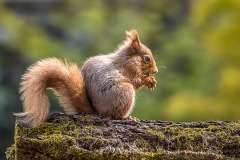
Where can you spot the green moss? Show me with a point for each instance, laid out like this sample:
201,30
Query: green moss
54,145
211,139
85,119
89,137
213,128
156,132
10,152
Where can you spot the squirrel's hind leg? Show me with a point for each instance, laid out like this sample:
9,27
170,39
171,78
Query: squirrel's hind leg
118,102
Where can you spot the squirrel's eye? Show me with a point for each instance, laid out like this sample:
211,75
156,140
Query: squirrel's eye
147,58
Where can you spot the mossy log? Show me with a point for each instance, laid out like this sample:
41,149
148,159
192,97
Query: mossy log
92,137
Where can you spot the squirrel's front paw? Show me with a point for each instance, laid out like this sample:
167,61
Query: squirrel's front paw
150,82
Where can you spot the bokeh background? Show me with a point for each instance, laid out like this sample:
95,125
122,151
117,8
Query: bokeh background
197,41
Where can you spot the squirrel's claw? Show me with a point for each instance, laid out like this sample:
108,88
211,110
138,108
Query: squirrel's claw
133,118
150,82
130,118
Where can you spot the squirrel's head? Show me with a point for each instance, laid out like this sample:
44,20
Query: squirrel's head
144,54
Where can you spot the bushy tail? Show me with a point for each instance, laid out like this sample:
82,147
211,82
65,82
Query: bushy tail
61,76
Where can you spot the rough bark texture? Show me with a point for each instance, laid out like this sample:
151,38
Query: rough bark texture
93,137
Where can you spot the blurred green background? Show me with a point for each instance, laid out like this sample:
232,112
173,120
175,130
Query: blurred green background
197,41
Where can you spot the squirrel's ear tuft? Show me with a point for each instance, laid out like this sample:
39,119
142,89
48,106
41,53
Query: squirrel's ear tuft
133,36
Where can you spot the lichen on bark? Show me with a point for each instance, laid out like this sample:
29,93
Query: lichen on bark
93,137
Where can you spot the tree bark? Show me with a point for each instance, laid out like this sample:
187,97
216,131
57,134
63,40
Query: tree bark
93,137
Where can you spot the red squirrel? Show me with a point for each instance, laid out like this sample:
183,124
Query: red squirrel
105,85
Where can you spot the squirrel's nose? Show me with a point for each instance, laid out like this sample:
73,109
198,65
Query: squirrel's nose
155,70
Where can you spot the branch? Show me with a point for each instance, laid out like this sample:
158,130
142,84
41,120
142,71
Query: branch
93,137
